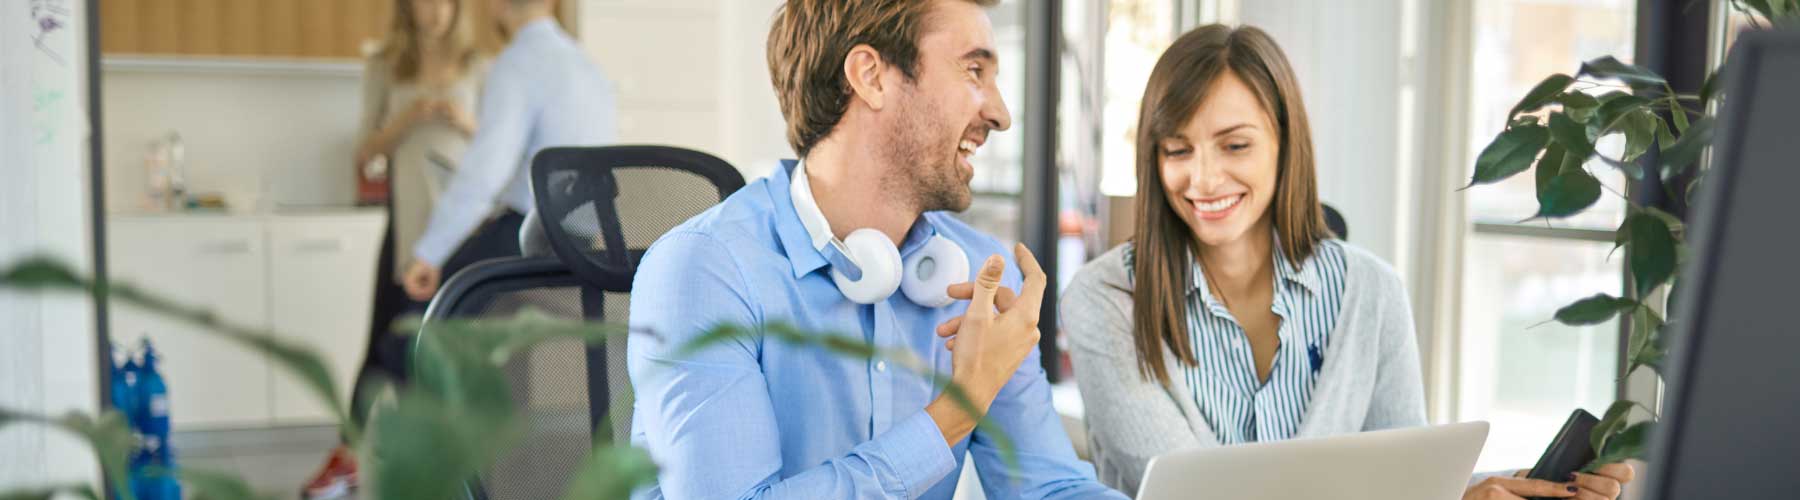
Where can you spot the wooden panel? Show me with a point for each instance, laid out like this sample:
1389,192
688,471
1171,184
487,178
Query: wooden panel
161,27
202,27
243,31
119,26
336,29
281,25
318,28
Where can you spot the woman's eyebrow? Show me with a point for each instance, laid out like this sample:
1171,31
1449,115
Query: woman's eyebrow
1233,128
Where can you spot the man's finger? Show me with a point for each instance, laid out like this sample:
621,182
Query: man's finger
949,328
1535,487
1003,296
981,303
1032,294
950,345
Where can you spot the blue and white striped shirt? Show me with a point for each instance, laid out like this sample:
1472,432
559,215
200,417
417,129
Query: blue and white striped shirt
1239,407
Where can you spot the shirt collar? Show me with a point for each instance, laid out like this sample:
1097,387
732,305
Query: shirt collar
803,255
540,27
1307,277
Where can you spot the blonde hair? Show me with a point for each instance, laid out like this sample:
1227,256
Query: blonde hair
400,50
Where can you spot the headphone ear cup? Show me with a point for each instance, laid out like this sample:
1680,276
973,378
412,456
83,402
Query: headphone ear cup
880,263
931,270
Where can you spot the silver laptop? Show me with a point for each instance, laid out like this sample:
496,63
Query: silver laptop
1421,463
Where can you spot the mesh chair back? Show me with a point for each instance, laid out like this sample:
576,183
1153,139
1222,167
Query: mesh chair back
601,207
598,209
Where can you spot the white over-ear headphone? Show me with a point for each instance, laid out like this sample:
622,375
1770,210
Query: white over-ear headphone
867,267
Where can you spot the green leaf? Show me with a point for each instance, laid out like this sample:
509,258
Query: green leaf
1640,133
1677,158
46,274
50,493
1510,153
1610,422
1566,193
1572,136
1617,105
1710,86
1646,329
1593,310
214,485
1578,105
1542,94
1609,67
1674,223
1679,115
423,448
1652,252
611,473
1664,139
1523,120
1630,443
40,273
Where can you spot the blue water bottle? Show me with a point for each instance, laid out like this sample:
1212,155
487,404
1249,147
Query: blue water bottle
153,396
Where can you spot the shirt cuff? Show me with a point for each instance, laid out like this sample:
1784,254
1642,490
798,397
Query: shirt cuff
429,251
916,450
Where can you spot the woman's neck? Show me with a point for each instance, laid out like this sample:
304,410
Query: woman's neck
1241,265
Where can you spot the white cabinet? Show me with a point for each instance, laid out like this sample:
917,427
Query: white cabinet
213,262
321,279
309,278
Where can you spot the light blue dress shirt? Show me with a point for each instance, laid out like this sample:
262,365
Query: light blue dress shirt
541,92
757,418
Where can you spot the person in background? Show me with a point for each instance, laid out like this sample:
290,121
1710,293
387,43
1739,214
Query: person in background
541,92
419,96
1233,315
885,103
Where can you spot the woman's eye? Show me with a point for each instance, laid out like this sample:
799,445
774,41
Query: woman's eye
1176,152
1237,147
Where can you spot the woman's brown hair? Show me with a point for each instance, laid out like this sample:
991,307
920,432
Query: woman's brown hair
1163,244
400,50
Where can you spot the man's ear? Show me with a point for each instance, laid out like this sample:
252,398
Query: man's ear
862,69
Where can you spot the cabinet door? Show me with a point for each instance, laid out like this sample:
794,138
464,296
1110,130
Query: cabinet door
216,263
322,278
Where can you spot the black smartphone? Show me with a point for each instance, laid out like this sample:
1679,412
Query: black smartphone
1569,451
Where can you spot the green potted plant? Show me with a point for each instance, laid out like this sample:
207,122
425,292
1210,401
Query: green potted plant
439,432
1552,131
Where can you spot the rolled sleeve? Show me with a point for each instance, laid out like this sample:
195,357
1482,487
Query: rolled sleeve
917,453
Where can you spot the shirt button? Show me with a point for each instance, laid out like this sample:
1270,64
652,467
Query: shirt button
881,366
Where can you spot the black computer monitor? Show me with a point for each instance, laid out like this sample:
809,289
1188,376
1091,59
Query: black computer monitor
1731,426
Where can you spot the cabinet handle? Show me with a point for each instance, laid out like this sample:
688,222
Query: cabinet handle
319,245
225,247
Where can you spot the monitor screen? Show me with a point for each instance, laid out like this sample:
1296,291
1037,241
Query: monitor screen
1732,413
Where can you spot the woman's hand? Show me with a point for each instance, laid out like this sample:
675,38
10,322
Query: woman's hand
457,116
1604,484
420,111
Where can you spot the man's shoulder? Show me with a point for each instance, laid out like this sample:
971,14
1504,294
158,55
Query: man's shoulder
743,221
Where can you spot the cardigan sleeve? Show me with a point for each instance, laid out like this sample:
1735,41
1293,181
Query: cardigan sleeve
1129,418
1399,395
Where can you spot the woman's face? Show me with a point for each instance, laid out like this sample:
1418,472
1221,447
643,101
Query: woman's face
1219,170
433,17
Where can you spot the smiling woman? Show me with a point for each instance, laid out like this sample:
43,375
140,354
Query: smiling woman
1233,315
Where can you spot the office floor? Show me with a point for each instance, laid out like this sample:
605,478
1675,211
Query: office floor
274,461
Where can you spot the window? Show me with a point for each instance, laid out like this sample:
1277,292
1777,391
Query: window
1513,369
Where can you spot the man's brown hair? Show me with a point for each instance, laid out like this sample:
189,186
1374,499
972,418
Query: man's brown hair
807,46
1164,244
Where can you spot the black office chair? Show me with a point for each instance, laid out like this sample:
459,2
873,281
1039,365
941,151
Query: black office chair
597,210
1335,222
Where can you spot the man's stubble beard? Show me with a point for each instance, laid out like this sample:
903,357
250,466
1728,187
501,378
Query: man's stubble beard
921,173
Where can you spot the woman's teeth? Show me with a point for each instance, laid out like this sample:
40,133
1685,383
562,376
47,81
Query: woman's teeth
1221,204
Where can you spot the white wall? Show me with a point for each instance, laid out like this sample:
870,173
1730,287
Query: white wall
1347,56
691,73
260,135
47,346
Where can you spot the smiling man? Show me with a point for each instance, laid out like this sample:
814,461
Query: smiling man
885,102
